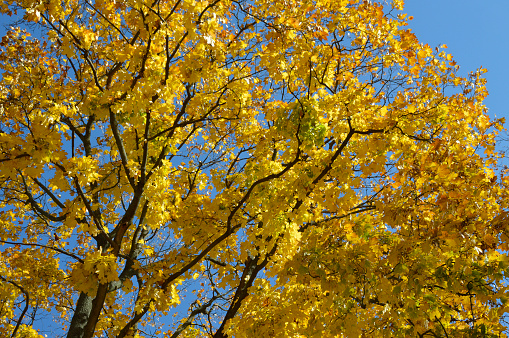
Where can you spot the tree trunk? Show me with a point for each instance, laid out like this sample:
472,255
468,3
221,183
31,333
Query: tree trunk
80,317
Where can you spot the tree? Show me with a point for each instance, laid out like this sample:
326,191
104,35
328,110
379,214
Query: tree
252,168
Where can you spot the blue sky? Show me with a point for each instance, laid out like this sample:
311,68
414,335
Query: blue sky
476,33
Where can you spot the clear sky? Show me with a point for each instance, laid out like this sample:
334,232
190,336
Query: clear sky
477,34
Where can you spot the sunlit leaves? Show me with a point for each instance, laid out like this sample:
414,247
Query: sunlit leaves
268,168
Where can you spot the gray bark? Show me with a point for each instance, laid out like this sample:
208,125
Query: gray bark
80,317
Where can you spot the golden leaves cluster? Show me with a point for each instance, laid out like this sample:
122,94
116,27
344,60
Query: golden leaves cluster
292,168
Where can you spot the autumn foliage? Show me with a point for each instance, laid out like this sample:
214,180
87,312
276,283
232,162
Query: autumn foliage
182,168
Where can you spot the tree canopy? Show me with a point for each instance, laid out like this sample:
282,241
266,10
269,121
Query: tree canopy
217,168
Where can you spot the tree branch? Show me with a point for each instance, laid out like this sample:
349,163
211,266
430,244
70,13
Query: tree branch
27,301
